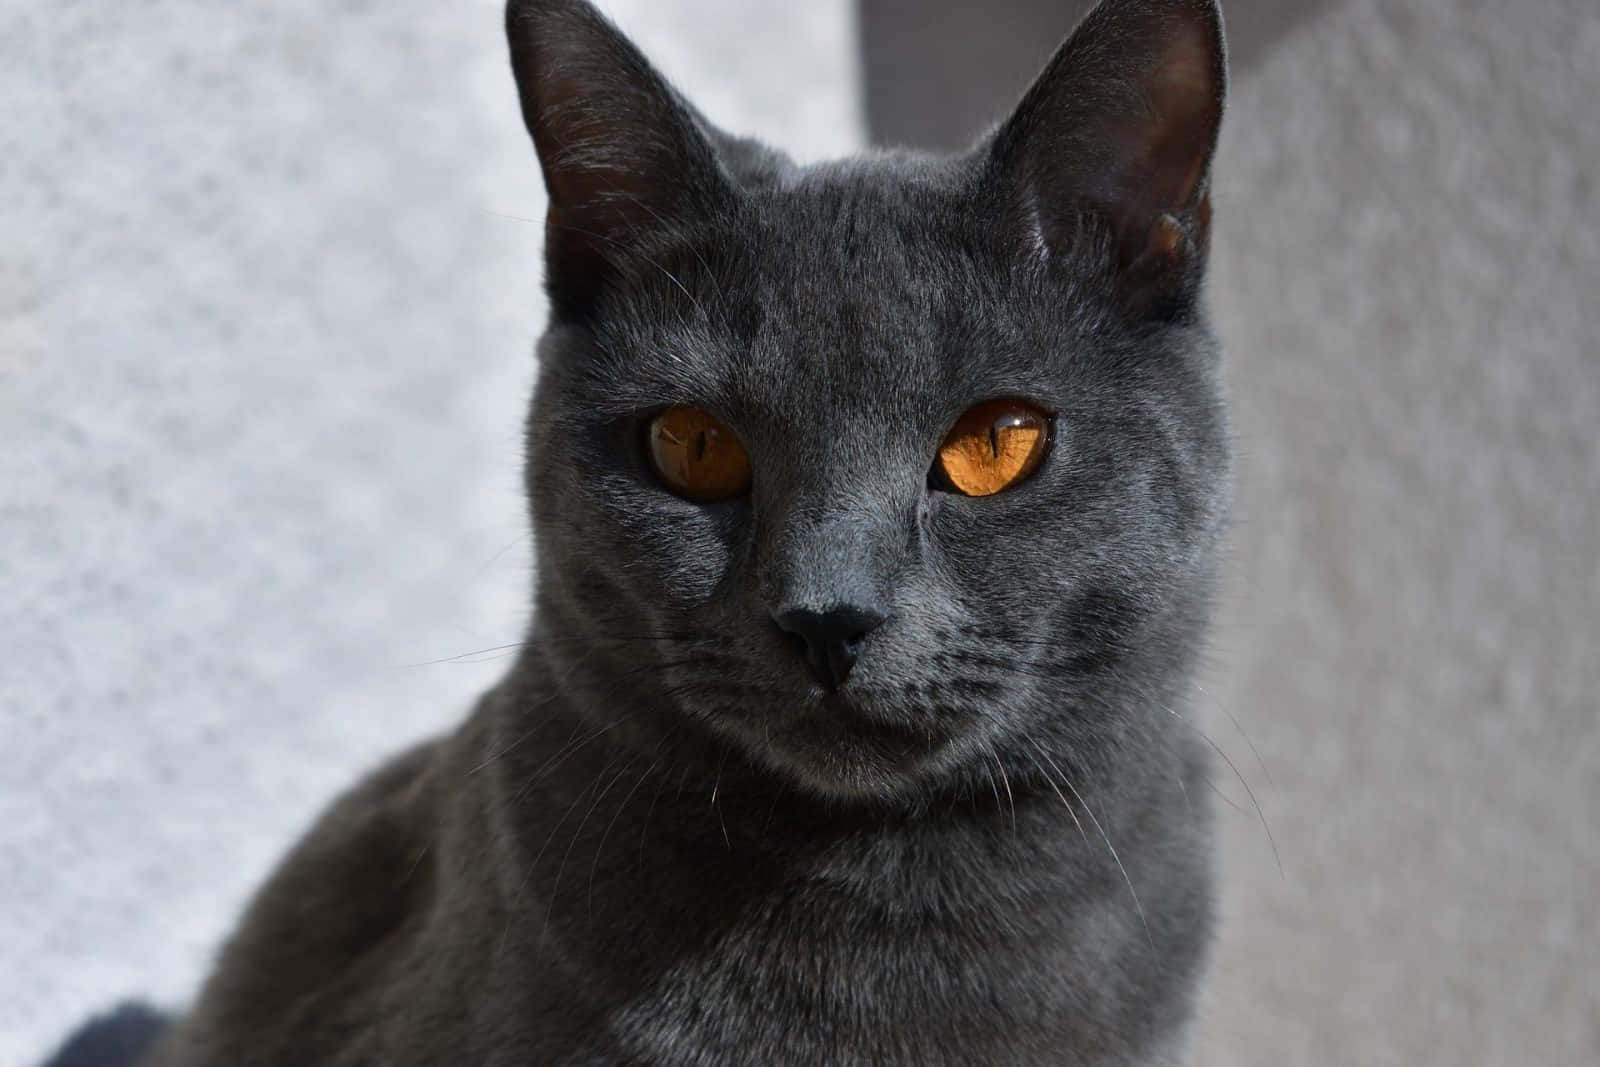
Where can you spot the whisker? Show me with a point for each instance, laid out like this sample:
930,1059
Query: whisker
673,278
579,639
526,535
516,898
555,887
1251,793
1104,837
1226,799
565,753
460,657
508,749
1247,740
994,786
619,680
644,830
595,865
1057,789
414,865
715,790
1178,778
1001,767
777,795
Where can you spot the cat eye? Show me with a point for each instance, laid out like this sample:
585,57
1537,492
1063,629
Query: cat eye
696,456
994,446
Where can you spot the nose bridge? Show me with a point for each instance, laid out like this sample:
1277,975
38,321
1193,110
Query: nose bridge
824,555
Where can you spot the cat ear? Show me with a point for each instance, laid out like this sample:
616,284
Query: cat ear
620,150
1119,130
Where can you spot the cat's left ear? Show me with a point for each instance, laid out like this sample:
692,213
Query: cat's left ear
1116,136
621,152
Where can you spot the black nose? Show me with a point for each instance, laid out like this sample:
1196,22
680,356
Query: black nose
831,639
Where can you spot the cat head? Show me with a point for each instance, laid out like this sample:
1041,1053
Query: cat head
883,472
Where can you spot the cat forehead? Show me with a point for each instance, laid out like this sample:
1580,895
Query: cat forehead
874,218
913,245
840,257
872,287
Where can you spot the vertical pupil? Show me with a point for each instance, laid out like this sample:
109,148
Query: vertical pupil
994,440
700,446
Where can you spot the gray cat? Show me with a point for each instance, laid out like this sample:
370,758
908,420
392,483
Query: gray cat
877,508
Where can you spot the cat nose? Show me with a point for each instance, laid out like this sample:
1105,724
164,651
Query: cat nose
830,639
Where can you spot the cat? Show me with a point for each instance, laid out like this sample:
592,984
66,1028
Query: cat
877,510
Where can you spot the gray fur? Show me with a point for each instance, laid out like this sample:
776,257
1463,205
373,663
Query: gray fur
657,841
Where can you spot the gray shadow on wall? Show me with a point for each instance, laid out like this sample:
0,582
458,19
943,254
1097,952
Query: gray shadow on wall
940,72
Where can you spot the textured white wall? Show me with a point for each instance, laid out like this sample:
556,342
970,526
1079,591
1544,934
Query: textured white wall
265,340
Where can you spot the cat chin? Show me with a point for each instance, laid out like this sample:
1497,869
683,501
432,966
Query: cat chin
838,753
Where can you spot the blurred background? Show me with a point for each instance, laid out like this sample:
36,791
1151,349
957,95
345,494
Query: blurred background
268,289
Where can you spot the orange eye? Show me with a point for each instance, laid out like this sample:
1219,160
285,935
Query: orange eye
994,446
696,456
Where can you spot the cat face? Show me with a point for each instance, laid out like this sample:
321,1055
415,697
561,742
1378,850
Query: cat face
825,597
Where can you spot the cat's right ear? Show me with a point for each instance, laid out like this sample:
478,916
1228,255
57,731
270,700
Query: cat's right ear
620,150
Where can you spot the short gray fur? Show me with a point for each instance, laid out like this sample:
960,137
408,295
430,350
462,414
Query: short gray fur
657,840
